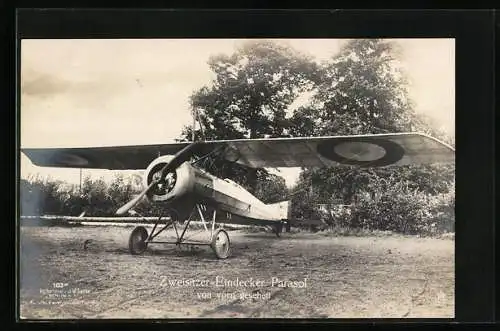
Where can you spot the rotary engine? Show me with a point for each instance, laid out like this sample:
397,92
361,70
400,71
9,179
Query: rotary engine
176,184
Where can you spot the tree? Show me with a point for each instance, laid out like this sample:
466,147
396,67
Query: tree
271,189
252,91
250,96
362,91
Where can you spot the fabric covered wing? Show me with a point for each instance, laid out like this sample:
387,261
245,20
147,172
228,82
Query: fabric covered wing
113,158
363,150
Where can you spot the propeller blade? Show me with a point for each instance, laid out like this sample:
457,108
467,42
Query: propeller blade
179,158
129,205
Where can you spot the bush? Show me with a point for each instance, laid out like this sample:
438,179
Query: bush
404,210
47,196
442,212
400,208
44,196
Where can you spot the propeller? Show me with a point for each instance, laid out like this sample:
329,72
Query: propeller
129,205
178,159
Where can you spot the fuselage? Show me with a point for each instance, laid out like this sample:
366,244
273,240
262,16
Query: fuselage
233,202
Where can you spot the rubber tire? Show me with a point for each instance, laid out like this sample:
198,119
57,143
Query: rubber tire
214,241
132,245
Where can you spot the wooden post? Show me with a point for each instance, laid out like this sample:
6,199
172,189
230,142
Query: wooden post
194,123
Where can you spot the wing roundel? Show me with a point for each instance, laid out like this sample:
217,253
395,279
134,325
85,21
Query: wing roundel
362,152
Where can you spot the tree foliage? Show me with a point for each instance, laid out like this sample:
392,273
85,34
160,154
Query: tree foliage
252,91
249,98
362,91
96,197
271,189
39,195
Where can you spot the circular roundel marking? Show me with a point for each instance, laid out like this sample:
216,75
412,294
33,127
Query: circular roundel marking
359,151
362,151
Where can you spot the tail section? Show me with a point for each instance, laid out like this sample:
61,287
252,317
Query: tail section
281,210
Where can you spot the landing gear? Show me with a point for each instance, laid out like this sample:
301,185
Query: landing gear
221,244
218,238
137,241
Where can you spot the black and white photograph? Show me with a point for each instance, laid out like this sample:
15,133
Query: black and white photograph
236,178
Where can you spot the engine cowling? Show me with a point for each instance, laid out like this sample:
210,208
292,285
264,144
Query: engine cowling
176,184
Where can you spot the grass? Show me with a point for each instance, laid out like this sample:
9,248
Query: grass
338,231
331,231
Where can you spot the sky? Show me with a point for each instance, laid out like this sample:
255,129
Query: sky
108,92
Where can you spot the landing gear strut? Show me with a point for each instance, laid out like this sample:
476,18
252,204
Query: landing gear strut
218,238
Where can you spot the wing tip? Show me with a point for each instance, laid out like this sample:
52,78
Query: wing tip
423,134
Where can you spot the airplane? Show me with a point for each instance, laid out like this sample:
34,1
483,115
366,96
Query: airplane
176,177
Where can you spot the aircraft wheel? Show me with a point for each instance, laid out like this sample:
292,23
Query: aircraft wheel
221,244
137,241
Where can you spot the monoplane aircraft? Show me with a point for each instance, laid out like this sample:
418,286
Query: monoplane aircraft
176,177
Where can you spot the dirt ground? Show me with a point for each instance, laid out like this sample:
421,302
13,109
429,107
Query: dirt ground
335,277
